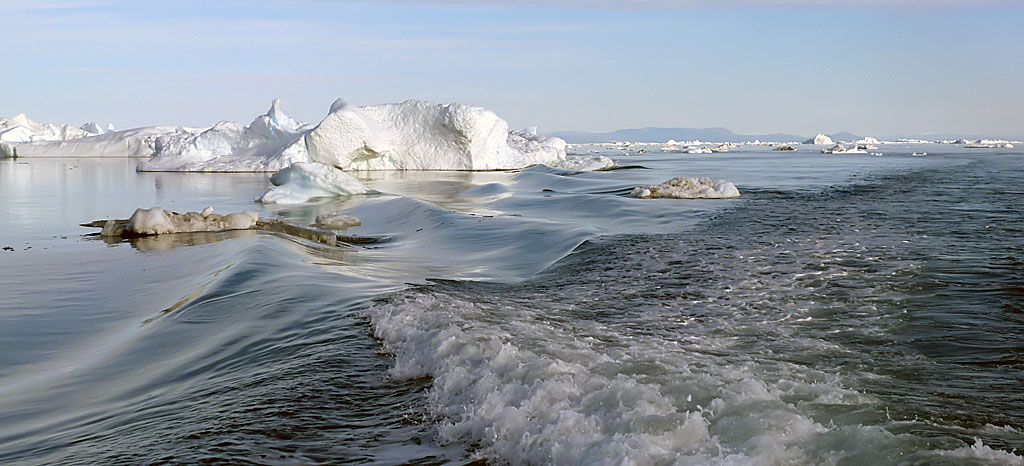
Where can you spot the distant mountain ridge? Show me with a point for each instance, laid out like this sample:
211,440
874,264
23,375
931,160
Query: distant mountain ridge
717,134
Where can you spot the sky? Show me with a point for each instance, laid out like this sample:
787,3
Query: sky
871,67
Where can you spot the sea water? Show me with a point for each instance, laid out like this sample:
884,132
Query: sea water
846,310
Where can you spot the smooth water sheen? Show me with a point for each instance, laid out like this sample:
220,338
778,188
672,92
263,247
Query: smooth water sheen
846,310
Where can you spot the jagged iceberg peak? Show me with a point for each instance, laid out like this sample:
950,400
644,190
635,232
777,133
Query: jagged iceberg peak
276,123
270,143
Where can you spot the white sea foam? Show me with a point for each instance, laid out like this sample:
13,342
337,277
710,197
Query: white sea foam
531,391
688,188
984,453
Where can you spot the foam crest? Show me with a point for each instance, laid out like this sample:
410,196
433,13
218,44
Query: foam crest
527,388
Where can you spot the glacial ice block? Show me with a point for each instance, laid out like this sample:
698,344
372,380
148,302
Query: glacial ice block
271,142
415,135
688,188
302,181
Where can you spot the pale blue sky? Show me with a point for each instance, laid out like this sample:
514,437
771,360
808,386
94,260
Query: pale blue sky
800,66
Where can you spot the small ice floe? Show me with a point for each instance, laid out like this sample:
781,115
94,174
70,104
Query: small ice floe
688,188
876,154
303,181
841,149
336,221
784,148
157,221
919,154
698,150
584,162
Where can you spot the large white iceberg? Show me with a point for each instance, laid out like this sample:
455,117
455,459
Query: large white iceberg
820,139
415,135
688,188
267,144
411,135
303,181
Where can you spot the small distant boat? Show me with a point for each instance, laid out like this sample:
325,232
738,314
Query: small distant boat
876,154
919,154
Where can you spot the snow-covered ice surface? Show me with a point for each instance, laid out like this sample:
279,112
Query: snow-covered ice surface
415,135
411,135
688,188
270,143
303,181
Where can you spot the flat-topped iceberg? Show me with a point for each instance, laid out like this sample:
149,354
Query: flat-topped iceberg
303,181
688,188
136,142
22,137
267,144
411,135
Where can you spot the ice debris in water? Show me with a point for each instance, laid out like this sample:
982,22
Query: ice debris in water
157,221
336,221
688,188
585,162
411,135
302,181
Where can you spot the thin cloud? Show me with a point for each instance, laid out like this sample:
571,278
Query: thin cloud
687,4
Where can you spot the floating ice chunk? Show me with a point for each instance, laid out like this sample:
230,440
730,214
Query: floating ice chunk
584,162
415,135
303,181
688,188
867,140
157,221
336,221
819,139
841,149
271,142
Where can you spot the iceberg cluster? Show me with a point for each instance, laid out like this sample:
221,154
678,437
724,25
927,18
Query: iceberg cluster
302,181
411,135
688,188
